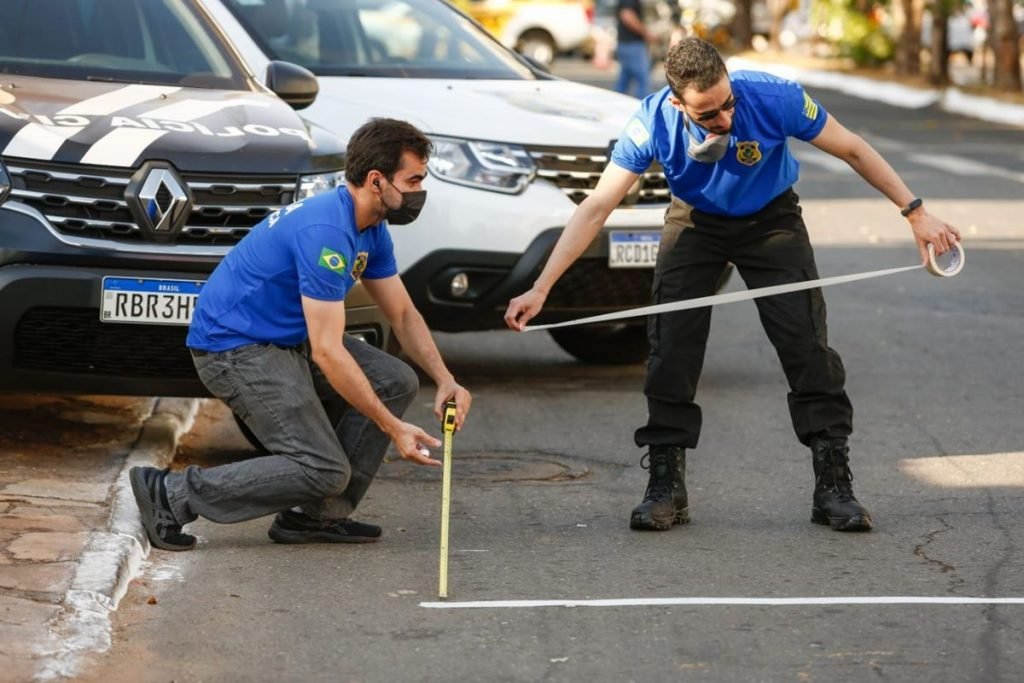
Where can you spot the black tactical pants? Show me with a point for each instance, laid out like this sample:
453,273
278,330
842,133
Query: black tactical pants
770,247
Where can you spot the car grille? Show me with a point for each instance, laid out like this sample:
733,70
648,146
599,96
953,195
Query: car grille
590,282
90,201
73,340
577,171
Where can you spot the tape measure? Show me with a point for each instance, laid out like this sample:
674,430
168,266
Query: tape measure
448,425
947,265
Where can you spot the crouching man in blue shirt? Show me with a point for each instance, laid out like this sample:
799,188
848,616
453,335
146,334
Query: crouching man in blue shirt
268,339
722,140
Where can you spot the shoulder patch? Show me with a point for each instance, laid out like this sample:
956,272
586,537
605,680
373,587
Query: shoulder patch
637,132
810,107
332,260
360,264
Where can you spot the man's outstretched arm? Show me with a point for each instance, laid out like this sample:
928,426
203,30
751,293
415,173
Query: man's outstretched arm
581,229
408,325
869,164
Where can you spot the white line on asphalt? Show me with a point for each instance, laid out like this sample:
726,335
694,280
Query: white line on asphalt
770,602
816,157
961,166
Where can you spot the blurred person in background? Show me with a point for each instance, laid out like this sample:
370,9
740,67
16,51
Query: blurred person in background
631,52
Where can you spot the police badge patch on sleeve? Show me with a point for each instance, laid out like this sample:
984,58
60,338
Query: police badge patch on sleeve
359,265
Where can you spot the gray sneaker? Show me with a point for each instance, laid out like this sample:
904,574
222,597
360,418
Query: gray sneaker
161,527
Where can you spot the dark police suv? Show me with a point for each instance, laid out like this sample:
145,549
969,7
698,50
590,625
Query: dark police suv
135,151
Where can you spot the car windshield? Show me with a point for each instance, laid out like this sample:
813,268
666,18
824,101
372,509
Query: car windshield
381,38
136,41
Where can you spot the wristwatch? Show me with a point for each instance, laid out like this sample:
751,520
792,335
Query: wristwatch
905,211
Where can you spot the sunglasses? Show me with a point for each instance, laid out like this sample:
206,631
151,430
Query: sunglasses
729,105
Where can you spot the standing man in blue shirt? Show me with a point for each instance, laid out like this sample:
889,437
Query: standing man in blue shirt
268,338
722,141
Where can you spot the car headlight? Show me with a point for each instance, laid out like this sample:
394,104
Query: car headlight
488,165
310,185
5,182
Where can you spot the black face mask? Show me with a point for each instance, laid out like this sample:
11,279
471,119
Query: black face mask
412,204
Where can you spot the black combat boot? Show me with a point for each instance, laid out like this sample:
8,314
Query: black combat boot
665,501
834,502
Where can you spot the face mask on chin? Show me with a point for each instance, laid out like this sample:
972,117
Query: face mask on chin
408,210
710,150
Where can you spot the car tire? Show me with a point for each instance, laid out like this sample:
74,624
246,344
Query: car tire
537,45
249,436
613,343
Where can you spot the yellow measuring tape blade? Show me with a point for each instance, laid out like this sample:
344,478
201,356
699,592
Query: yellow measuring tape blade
446,492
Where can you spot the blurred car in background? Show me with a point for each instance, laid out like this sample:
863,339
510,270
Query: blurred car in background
515,151
538,29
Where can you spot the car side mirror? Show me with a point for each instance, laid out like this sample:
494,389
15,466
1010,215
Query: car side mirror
294,84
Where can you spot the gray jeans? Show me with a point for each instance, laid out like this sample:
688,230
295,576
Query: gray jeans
323,453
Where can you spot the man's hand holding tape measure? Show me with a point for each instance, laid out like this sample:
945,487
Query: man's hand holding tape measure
413,443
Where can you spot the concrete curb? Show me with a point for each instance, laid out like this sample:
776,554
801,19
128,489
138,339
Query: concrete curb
952,99
112,557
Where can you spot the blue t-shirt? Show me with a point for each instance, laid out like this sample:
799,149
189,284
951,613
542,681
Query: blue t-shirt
758,165
311,248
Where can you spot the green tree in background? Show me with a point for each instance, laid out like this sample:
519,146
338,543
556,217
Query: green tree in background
856,34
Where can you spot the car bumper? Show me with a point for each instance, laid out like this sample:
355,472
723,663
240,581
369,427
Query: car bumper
53,339
500,243
588,287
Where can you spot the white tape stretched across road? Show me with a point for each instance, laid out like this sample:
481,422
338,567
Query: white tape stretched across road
948,265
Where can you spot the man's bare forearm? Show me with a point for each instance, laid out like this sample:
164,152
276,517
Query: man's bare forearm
417,341
348,379
580,231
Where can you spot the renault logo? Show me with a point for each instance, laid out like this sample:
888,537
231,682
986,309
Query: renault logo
159,201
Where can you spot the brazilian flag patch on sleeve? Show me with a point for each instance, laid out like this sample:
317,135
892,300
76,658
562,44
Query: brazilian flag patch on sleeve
332,260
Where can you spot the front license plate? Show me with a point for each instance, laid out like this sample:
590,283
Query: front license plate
142,300
633,249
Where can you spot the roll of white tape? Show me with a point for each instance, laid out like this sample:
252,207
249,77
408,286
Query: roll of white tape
948,264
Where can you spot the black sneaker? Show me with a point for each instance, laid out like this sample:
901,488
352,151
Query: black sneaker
151,497
295,527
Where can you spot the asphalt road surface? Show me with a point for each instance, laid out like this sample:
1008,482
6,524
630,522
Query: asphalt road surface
546,474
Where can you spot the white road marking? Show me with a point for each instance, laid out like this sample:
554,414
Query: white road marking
770,602
966,167
824,160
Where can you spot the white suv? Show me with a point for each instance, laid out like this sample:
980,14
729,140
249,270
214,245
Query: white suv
515,151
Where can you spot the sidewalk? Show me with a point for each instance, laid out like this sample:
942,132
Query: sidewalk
70,536
879,88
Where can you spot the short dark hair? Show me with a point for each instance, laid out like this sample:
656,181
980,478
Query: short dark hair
695,64
379,144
